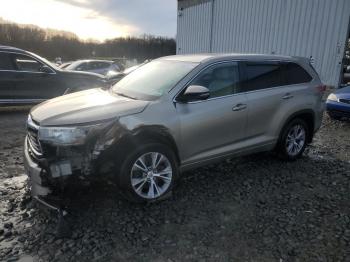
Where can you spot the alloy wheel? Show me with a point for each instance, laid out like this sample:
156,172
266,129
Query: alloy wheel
151,175
295,140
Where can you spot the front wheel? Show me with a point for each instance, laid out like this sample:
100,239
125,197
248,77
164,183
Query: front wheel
293,139
147,174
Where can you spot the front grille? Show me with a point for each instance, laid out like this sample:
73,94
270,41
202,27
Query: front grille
346,101
33,142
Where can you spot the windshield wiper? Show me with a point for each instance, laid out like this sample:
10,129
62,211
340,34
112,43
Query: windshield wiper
122,94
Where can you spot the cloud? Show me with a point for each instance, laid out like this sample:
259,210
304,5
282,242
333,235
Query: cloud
62,15
157,17
96,19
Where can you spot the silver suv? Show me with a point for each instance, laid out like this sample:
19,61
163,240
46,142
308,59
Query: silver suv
170,115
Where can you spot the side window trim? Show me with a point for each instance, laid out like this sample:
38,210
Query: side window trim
11,55
188,83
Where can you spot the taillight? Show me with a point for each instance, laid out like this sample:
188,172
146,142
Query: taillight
321,88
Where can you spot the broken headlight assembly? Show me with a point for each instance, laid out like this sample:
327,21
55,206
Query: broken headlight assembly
70,136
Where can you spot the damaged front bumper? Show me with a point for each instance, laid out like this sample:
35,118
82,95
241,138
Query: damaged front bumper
55,171
49,180
40,189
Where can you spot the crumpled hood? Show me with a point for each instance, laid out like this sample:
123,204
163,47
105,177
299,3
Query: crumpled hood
84,107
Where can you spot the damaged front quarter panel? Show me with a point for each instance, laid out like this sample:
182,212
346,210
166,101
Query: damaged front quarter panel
82,159
64,167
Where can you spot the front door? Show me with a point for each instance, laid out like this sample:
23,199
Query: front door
261,82
7,79
30,82
210,128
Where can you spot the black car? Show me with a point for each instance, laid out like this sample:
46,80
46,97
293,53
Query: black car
26,78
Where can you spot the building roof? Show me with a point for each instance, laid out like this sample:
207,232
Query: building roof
95,60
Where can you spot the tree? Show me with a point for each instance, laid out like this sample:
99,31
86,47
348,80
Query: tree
51,44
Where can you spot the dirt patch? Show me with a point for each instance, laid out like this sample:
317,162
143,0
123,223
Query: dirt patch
254,208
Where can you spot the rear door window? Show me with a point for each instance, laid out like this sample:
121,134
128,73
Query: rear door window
83,66
294,74
6,62
98,65
261,75
102,65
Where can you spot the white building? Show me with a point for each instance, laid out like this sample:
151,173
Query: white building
309,28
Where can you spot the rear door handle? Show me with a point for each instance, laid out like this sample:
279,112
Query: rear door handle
287,96
239,107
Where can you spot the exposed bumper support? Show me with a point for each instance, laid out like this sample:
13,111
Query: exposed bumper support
39,190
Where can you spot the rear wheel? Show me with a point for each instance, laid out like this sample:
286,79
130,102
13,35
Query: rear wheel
293,139
147,174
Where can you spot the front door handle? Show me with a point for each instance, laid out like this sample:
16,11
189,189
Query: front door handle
287,96
239,107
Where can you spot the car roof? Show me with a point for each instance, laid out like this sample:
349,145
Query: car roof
11,48
201,58
93,60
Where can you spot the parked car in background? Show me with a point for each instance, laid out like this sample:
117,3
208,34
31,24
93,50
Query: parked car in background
26,78
170,115
338,103
101,67
346,75
64,65
113,77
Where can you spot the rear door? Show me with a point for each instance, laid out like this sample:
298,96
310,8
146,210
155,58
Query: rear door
212,127
275,90
262,84
7,78
31,83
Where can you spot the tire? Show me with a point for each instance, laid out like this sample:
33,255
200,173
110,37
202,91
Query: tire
135,183
293,139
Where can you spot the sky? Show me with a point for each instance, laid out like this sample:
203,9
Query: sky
96,19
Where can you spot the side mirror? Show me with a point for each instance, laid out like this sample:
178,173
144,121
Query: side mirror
45,69
194,93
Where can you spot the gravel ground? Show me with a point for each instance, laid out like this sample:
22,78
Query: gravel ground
255,208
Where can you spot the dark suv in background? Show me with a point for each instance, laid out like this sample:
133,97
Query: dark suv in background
26,78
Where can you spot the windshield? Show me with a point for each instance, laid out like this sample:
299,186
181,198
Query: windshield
152,80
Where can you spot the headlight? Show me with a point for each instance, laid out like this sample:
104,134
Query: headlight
68,135
333,97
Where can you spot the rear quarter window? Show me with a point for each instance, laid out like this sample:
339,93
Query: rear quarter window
6,62
294,74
